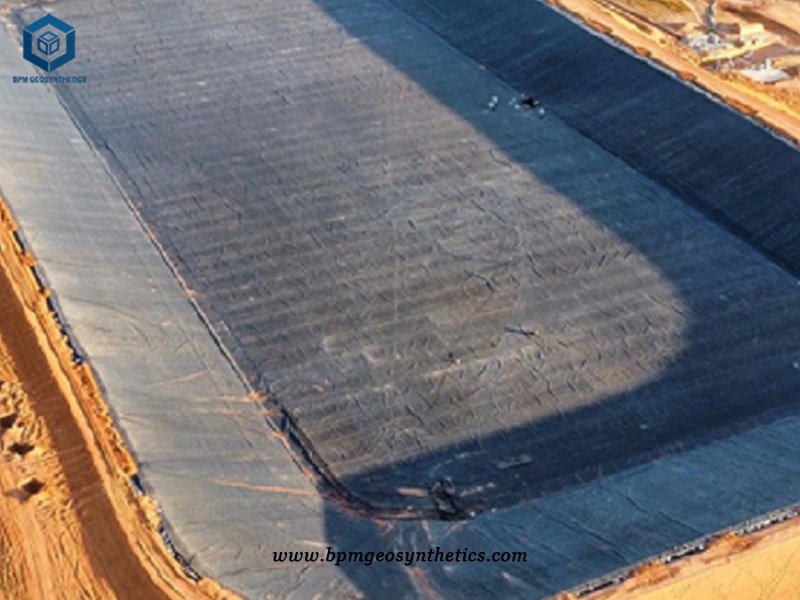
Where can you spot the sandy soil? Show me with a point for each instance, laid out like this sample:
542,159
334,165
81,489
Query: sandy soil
70,525
760,566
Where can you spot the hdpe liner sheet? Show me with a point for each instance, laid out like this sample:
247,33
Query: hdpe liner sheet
430,288
739,174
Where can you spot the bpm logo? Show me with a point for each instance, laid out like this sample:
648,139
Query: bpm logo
48,43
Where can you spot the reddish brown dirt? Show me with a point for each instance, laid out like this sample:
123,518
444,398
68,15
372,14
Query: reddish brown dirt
760,566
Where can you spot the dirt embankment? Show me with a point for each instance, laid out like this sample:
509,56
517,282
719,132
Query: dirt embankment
70,524
761,565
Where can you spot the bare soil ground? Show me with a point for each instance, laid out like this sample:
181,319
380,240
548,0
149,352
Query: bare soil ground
760,566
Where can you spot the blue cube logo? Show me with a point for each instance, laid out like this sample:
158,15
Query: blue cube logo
48,43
